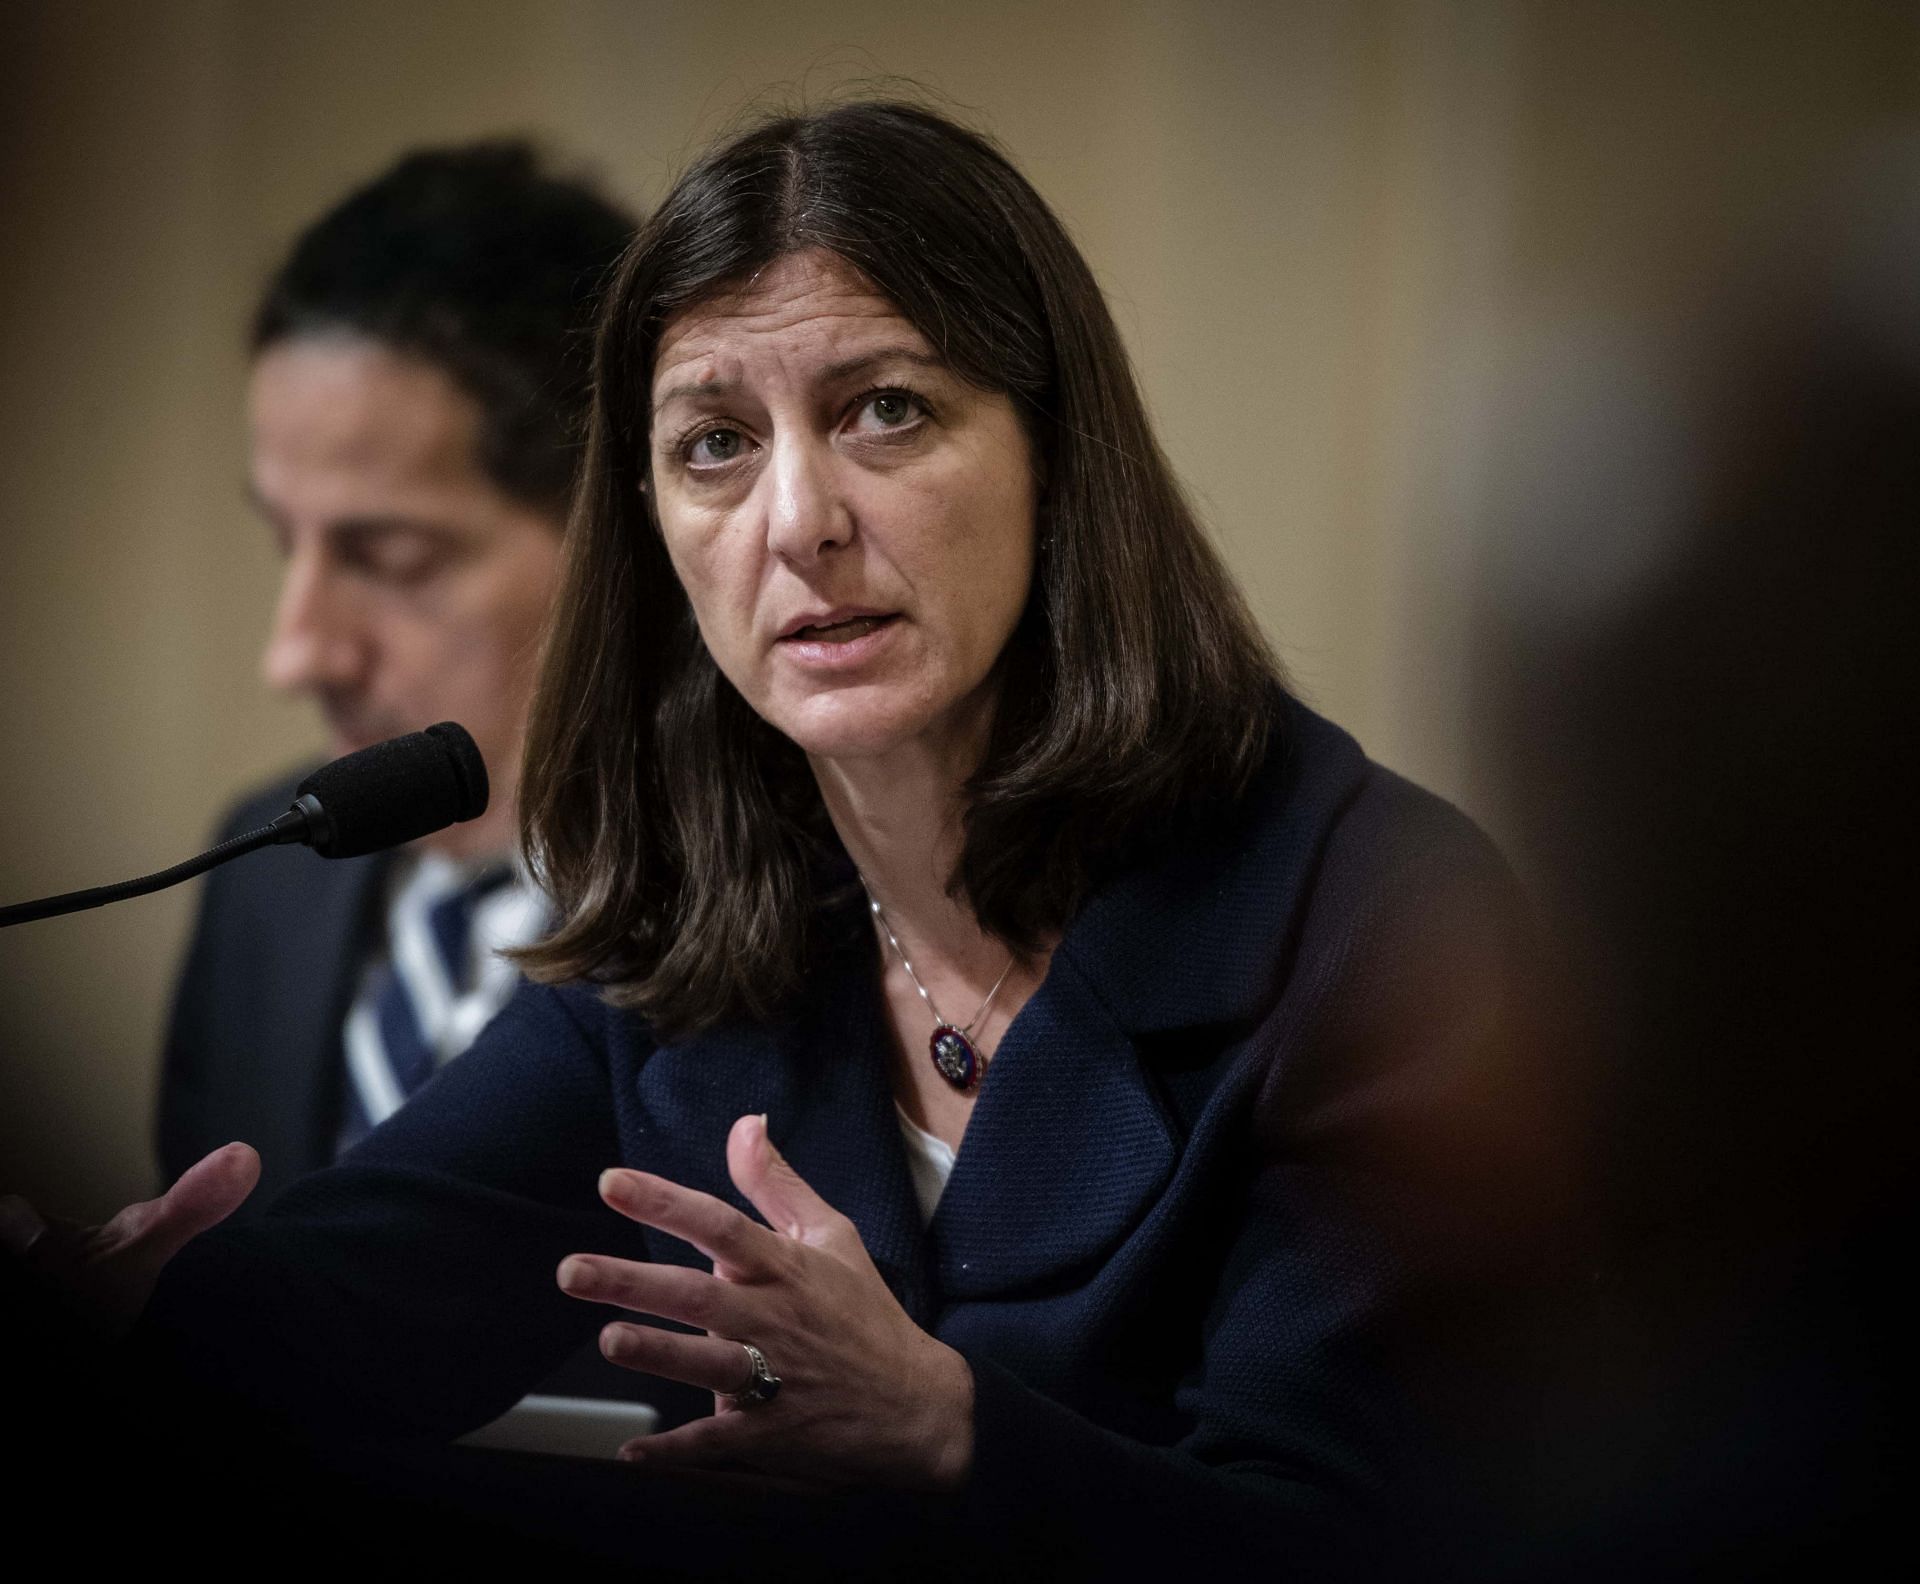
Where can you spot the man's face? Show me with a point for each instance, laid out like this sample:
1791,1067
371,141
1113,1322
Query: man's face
415,589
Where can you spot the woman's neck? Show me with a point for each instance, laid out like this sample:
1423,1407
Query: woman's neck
901,818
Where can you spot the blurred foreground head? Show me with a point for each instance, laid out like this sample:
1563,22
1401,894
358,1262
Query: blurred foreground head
419,390
1712,755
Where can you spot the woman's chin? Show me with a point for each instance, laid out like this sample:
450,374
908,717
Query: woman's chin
839,733
878,722
851,747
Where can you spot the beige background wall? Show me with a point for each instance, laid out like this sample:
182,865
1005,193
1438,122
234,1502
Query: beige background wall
1320,224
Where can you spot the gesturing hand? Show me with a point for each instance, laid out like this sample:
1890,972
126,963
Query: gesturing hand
105,1274
865,1394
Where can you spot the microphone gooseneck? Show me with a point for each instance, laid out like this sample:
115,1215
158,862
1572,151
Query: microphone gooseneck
393,792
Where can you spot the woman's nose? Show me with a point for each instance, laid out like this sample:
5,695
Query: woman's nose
316,643
806,514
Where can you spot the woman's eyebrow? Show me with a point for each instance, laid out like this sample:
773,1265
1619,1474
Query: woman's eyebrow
696,390
846,368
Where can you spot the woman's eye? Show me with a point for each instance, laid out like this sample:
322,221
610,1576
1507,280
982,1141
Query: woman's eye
888,410
716,445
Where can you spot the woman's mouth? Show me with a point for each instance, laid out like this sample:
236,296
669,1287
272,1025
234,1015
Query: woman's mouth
845,631
840,645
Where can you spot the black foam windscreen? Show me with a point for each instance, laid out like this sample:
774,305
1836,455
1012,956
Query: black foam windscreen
397,791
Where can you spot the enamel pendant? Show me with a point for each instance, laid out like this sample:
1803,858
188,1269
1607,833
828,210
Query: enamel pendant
954,1056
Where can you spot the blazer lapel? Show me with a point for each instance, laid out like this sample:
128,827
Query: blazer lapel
1065,1085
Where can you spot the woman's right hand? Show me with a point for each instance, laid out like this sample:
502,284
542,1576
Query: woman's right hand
105,1274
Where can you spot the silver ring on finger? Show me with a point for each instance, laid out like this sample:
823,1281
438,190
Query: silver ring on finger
762,1385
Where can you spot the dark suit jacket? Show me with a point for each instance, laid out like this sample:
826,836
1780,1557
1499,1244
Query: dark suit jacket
1207,1243
253,1048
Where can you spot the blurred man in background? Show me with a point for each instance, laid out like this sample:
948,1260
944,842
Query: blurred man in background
420,377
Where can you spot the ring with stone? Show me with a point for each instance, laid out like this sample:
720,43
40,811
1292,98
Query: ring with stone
762,1384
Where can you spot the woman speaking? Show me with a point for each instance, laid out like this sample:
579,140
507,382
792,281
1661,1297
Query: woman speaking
1016,1047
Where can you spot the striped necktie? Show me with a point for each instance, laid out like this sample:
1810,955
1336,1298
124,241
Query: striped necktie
407,1023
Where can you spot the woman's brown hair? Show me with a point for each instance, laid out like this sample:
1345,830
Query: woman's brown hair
683,840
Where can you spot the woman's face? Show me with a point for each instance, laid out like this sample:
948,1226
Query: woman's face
852,521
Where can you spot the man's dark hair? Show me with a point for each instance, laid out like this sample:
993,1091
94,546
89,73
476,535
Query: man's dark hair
477,261
683,838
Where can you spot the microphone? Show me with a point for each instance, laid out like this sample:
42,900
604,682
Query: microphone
396,791
393,792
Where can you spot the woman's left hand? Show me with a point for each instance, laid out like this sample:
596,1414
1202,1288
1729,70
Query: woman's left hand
865,1395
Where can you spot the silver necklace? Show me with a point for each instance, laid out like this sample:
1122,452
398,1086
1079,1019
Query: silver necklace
955,1057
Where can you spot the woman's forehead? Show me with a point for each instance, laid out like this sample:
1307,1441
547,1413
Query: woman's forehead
807,306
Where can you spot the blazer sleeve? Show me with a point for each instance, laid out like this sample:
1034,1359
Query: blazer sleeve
1390,1204
409,1290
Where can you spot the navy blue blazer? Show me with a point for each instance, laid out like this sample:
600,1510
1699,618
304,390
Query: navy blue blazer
1205,1244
